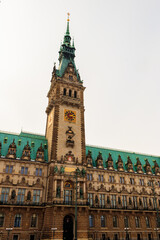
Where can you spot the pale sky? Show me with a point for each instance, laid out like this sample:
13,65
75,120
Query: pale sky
118,56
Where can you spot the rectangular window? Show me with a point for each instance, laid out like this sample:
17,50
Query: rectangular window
17,220
1,219
4,195
122,180
15,237
90,198
137,222
99,178
147,222
115,223
126,222
111,179
134,199
145,202
7,168
124,201
32,237
132,181
102,200
24,170
113,201
34,220
36,196
141,182
21,194
39,172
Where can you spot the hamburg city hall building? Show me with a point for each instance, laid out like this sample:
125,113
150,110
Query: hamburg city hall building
57,187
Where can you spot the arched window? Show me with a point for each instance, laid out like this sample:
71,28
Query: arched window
91,221
17,220
115,221
64,91
137,222
34,220
75,94
103,221
70,93
1,219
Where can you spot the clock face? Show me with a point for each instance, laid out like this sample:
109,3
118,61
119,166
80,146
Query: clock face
69,115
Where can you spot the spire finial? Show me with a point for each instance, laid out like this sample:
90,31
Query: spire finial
67,32
68,17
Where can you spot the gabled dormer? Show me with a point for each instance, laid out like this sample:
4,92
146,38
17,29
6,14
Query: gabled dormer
147,167
129,165
156,168
138,166
89,159
99,161
26,154
40,154
11,150
120,164
109,162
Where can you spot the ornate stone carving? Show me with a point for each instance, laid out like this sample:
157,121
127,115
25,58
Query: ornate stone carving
26,152
40,154
69,135
156,168
89,159
99,161
69,157
138,166
147,167
12,150
120,164
109,162
129,165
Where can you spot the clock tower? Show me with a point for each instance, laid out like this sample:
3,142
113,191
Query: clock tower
65,130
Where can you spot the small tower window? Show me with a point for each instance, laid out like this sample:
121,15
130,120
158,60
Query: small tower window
70,78
64,91
75,94
70,93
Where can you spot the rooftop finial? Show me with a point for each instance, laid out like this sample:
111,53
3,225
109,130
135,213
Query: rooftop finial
68,17
67,32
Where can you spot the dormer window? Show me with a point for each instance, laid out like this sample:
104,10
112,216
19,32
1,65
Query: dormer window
12,150
75,94
64,91
40,154
26,152
70,93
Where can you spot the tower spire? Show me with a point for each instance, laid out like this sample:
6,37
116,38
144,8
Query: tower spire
67,31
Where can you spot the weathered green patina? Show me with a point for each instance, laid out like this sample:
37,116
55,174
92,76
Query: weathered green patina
67,55
36,140
124,155
21,140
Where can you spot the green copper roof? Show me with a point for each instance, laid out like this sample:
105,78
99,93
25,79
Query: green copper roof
114,153
21,140
67,55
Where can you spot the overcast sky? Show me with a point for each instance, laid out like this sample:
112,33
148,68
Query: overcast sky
118,56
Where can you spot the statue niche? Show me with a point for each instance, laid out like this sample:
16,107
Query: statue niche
69,135
12,150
